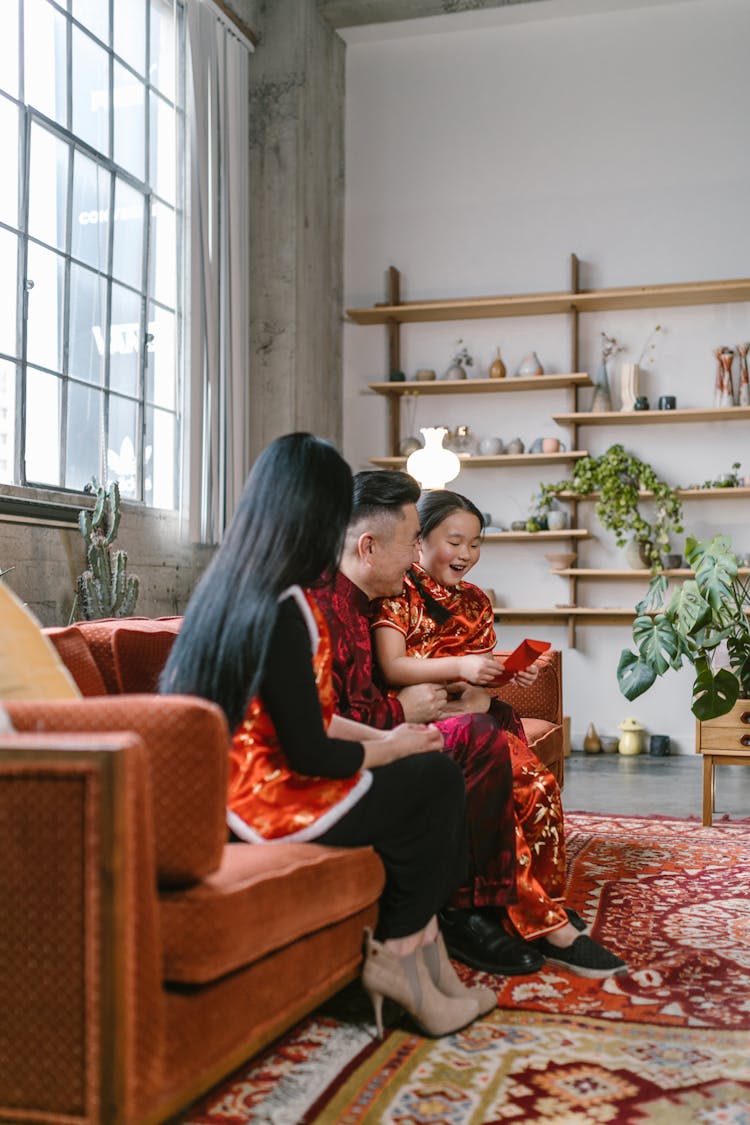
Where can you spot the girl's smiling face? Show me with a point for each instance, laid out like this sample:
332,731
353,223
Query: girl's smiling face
452,548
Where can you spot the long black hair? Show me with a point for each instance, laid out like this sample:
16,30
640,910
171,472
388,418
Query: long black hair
434,507
288,529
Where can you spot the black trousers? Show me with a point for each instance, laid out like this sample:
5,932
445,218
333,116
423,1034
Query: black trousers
414,816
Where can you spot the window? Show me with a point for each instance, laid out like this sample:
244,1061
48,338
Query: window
91,244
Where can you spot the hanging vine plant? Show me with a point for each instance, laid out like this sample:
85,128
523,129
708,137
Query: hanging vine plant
620,479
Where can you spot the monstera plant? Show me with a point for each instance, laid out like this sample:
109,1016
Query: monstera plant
705,615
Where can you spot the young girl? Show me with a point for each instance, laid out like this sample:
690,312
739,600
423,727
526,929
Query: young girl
442,629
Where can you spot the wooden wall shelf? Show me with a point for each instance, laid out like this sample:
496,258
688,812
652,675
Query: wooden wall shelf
653,417
511,383
544,536
500,461
684,494
619,575
393,313
541,304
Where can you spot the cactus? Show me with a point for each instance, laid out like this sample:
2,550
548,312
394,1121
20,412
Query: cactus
104,590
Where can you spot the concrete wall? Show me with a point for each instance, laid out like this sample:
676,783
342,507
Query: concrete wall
296,224
480,154
47,560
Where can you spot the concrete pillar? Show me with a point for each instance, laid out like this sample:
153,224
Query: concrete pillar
296,224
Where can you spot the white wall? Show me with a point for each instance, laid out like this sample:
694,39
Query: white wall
480,154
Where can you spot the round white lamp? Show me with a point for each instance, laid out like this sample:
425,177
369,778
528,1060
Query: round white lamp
432,465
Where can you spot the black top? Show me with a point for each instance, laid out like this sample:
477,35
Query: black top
291,698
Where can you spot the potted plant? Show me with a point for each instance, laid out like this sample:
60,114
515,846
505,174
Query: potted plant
704,613
620,478
104,589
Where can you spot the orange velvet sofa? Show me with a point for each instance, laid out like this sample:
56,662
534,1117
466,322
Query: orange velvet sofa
541,708
144,957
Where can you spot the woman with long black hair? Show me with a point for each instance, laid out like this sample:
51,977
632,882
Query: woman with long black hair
254,643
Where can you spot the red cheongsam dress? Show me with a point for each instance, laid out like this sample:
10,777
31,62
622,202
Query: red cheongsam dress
267,801
539,835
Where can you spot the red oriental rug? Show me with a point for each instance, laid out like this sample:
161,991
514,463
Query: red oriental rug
668,1044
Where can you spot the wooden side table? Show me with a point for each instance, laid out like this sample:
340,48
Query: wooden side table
723,741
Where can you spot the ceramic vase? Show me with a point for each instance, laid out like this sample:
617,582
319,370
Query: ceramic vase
602,400
718,378
530,365
629,379
592,743
462,441
635,553
743,391
726,358
455,371
497,367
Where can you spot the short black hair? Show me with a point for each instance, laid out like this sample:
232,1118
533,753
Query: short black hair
377,491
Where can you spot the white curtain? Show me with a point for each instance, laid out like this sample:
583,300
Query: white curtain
216,429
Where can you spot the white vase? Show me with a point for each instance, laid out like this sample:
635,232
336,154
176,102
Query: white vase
433,466
629,379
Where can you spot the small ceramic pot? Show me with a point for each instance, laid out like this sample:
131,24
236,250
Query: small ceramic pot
641,403
552,445
659,745
557,519
455,371
631,738
409,445
425,375
667,402
491,446
515,446
671,562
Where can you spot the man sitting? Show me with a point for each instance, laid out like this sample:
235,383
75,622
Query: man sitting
381,544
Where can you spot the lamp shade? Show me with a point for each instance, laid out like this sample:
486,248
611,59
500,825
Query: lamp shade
432,465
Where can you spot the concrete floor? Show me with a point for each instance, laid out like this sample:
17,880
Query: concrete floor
643,786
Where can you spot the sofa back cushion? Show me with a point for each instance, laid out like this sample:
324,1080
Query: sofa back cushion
140,652
76,656
116,655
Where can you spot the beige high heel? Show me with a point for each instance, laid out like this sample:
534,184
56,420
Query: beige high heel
447,981
407,981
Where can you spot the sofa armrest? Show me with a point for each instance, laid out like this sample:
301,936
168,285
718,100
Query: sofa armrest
186,741
80,987
543,700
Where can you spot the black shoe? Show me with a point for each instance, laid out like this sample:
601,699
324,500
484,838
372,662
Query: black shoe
476,939
585,957
576,920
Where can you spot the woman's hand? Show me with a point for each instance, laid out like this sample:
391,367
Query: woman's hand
406,739
478,669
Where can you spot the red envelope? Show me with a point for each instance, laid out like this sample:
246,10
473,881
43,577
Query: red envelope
520,659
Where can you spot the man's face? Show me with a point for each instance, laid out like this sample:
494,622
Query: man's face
395,548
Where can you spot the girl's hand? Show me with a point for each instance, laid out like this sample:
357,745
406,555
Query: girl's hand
479,669
528,677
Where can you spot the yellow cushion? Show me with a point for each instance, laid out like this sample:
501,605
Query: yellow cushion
29,665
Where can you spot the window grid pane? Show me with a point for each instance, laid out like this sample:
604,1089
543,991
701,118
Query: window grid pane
102,246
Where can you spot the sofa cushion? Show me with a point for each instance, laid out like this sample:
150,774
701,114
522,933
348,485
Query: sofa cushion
75,653
140,652
262,898
30,667
546,740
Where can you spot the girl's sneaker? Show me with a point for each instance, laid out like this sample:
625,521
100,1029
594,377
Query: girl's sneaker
584,956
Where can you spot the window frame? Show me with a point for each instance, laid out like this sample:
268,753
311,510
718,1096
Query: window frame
145,408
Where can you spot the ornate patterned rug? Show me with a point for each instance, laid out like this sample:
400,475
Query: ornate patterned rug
668,1044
